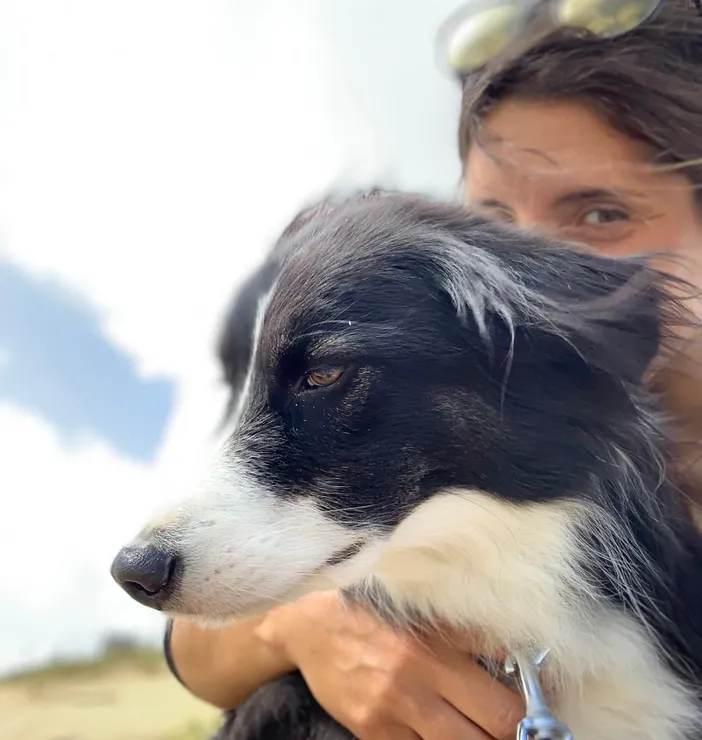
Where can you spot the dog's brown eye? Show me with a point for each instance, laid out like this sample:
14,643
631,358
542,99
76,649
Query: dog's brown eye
323,377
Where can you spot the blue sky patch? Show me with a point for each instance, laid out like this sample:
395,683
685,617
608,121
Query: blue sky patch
56,362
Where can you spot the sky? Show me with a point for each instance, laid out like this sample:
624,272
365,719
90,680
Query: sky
150,153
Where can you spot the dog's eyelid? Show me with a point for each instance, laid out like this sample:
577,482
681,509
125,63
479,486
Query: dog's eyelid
321,357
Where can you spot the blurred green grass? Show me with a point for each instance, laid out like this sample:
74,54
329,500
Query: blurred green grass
124,692
112,657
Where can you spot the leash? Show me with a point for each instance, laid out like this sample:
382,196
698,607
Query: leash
539,723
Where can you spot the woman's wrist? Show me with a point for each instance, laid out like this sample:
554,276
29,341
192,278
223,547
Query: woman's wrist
224,665
272,637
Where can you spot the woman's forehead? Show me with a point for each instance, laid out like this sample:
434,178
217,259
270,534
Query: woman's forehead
555,147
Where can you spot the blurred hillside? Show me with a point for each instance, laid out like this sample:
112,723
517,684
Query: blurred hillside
126,693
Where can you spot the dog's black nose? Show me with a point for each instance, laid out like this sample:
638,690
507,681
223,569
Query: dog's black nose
144,572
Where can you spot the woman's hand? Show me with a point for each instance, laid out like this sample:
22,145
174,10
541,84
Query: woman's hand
382,684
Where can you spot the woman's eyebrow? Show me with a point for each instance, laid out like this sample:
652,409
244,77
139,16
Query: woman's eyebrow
573,197
580,196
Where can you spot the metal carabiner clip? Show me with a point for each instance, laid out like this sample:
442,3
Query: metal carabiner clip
539,723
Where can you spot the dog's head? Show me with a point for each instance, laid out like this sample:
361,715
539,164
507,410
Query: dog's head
404,349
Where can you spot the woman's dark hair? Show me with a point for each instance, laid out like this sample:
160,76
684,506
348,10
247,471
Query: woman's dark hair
646,84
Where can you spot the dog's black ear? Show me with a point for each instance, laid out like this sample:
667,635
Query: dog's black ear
615,314
612,312
299,222
235,343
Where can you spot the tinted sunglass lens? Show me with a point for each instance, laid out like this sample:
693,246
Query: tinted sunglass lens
478,36
604,17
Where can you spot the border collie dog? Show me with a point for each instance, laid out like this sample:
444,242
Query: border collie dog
448,420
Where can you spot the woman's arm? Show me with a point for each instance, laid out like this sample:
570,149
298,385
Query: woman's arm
374,680
223,665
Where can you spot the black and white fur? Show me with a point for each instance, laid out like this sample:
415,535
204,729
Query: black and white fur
488,458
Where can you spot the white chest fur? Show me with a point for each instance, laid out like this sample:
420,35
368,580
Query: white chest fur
515,572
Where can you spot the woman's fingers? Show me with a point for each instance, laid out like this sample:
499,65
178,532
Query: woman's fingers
442,721
381,683
394,733
473,692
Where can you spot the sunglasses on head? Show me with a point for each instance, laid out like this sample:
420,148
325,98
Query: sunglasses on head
485,30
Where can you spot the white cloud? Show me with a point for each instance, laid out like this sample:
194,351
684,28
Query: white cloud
63,515
148,140
149,153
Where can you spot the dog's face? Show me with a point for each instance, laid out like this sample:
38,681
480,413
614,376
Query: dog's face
405,349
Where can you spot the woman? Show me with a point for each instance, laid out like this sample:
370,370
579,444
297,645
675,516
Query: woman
593,140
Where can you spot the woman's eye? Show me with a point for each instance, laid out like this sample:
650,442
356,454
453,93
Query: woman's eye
499,215
604,216
323,377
